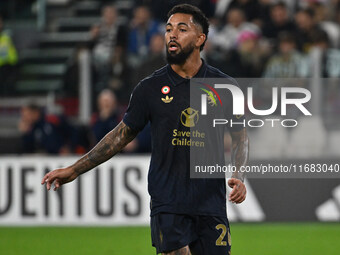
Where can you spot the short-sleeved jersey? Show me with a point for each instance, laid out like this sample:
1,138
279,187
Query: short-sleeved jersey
163,99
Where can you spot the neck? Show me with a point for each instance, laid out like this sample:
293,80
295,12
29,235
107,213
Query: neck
190,67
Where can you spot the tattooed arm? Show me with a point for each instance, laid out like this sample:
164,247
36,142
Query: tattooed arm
240,152
110,145
239,158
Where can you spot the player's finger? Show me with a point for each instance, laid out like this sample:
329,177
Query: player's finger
45,178
245,196
48,185
56,184
235,189
49,181
232,193
236,195
242,197
239,191
239,197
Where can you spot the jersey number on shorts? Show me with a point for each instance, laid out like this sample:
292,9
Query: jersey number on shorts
219,241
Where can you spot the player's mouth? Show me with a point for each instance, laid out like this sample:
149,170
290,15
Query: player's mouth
173,46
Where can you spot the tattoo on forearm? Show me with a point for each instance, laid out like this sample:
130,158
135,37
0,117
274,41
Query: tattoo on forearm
183,251
240,152
110,145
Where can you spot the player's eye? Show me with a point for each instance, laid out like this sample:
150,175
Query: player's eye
168,30
183,30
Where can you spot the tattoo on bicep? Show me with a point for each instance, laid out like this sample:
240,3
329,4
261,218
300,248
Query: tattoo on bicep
240,152
111,144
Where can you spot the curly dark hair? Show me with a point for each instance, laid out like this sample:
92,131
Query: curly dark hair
198,17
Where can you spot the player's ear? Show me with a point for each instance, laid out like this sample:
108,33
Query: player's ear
200,40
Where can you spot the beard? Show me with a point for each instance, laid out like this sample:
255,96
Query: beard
180,57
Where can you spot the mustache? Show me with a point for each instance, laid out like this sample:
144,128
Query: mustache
173,41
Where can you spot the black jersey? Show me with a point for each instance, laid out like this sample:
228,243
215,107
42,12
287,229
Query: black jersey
163,99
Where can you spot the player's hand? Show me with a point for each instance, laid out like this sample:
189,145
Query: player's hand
59,177
239,191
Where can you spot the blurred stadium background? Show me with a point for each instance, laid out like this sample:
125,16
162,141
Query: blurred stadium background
67,68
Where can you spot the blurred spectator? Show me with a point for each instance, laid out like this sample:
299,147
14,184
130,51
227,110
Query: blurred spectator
244,61
322,15
142,143
71,75
330,56
279,21
226,39
332,67
142,28
44,134
107,37
264,12
288,62
321,12
8,60
155,60
306,26
333,7
320,40
313,3
160,8
336,12
120,77
251,8
107,117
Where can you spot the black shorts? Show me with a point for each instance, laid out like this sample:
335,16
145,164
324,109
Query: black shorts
205,235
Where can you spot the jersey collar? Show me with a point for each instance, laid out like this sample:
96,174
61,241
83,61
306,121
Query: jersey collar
177,79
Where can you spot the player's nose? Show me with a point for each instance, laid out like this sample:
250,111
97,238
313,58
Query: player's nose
173,38
173,34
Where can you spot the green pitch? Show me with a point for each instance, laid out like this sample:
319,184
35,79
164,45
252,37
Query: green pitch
252,239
